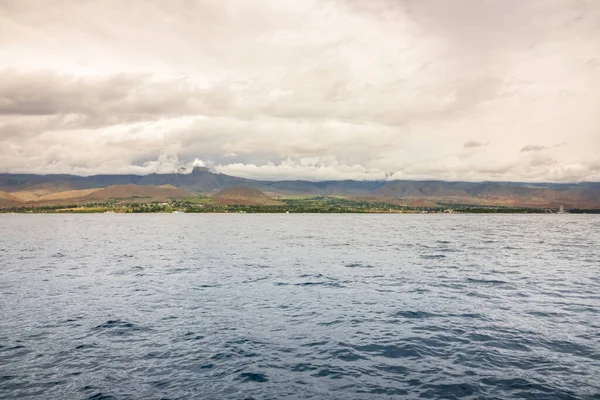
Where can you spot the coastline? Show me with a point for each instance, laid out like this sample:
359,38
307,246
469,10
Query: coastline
260,210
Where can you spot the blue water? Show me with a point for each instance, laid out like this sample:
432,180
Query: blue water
299,306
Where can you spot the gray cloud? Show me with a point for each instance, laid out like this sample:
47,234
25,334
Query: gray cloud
471,144
542,161
107,99
313,89
533,147
537,148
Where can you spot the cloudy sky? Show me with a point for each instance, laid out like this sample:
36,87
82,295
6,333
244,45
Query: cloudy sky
307,89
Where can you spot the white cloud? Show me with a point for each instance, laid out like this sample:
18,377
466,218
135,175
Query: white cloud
311,89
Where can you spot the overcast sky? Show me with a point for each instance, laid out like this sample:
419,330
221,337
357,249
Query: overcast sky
306,89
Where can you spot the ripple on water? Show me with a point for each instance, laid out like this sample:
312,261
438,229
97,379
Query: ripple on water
390,350
432,256
414,314
358,265
254,377
119,327
492,282
101,396
311,306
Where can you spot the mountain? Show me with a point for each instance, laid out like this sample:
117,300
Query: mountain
244,196
139,192
33,189
56,196
492,193
7,200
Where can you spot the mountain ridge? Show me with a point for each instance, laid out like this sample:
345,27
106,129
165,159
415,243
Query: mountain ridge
237,195
26,188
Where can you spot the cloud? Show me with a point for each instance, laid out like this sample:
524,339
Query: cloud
313,89
533,147
301,169
471,144
537,148
106,100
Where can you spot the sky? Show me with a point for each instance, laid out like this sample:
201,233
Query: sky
472,90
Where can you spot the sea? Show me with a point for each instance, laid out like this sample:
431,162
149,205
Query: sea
299,306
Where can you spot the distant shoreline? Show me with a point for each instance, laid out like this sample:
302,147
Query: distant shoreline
246,201
258,210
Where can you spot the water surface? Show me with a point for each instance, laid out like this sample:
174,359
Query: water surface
299,306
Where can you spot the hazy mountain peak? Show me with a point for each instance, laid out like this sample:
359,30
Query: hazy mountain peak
202,170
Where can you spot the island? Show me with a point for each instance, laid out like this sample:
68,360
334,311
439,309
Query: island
206,191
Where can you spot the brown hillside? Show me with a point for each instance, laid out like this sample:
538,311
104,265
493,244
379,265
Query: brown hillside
7,196
244,196
50,187
421,203
69,194
7,201
135,192
38,192
25,196
491,194
402,202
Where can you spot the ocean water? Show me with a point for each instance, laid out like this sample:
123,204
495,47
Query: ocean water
185,306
